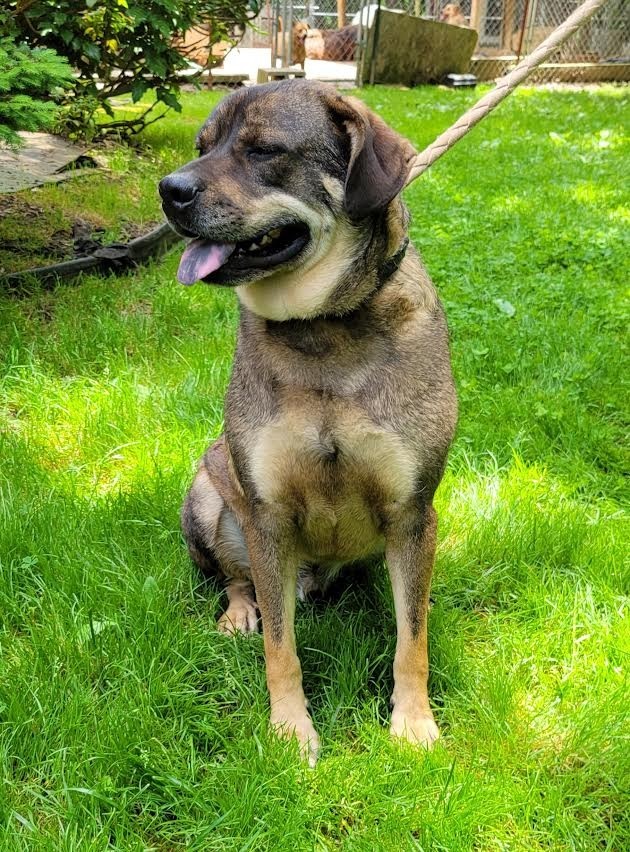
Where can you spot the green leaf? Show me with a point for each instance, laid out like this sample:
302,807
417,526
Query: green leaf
149,588
92,629
92,51
156,64
505,307
138,89
169,98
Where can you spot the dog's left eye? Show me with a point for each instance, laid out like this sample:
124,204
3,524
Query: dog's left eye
260,152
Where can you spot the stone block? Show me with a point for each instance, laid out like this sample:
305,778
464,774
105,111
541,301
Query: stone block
413,50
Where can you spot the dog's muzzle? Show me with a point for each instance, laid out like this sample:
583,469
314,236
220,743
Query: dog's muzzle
219,258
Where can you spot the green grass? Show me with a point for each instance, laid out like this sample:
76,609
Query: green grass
128,723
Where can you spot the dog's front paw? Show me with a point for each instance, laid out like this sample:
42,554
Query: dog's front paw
417,728
239,617
300,726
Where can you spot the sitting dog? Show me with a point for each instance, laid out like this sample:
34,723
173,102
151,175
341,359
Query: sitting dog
299,33
452,14
341,406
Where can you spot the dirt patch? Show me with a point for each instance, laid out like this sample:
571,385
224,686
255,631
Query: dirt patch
132,230
15,204
32,235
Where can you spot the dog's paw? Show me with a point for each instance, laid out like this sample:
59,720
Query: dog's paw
300,727
239,617
418,729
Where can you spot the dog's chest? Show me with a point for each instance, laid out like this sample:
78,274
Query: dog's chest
336,473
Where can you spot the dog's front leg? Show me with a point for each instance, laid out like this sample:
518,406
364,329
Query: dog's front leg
274,573
410,554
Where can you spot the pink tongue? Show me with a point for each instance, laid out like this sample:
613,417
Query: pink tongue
200,258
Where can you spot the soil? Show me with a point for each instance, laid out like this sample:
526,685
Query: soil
23,247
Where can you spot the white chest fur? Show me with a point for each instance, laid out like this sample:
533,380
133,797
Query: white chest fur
337,472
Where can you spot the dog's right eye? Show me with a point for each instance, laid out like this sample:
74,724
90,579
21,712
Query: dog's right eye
260,152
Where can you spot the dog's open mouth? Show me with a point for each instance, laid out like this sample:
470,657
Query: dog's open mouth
222,263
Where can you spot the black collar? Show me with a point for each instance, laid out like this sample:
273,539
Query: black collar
392,264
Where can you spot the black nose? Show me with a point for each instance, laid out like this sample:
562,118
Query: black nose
180,189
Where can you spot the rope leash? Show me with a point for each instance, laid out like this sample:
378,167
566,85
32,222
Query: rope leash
504,86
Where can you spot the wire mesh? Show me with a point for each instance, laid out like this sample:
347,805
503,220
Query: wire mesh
604,40
507,30
332,29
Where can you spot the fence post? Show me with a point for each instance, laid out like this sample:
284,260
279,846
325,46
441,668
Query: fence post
288,56
341,13
274,32
477,11
508,23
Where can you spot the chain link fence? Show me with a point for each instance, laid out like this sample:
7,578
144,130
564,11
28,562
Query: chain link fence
511,29
332,32
507,30
599,50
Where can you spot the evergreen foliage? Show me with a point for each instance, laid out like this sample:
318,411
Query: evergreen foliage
125,47
29,80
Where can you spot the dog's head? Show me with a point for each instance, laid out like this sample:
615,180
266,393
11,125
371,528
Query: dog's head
300,30
450,12
285,171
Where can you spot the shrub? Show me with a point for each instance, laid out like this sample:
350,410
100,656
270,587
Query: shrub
123,47
28,82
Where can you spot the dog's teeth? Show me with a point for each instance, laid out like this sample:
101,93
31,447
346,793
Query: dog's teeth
254,247
265,240
275,233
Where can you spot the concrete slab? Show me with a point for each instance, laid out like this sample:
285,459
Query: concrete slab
267,75
248,60
42,159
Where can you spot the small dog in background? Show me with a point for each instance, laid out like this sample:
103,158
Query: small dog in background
452,14
299,32
332,45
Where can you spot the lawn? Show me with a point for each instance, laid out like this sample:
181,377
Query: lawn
128,723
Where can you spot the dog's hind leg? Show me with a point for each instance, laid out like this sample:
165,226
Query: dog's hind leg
241,616
216,544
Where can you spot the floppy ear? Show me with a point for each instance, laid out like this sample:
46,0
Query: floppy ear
379,158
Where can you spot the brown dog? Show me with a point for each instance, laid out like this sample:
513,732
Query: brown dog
298,50
452,14
332,45
341,405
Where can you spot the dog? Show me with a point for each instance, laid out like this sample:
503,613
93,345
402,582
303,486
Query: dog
341,406
452,14
299,32
332,45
